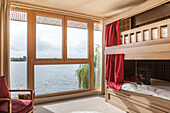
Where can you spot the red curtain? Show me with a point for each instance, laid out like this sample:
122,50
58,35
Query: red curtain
112,34
114,68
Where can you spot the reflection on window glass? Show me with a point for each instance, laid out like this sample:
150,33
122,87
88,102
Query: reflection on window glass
60,78
48,37
77,39
97,54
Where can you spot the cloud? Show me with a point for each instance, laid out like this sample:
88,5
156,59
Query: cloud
18,36
77,43
49,41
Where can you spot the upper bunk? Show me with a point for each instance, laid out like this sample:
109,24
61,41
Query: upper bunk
150,41
146,42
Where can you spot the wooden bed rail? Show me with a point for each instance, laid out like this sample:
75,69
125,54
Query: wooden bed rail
150,42
153,31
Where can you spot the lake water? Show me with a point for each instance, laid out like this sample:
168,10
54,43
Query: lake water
48,78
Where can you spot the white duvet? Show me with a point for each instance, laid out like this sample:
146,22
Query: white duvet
158,88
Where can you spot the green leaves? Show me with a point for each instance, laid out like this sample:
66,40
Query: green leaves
83,70
83,78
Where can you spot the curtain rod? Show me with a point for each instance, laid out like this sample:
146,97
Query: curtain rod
51,10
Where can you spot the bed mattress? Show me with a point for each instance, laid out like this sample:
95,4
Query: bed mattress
158,88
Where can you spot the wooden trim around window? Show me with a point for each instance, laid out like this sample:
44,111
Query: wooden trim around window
91,55
53,10
49,14
31,51
65,60
61,93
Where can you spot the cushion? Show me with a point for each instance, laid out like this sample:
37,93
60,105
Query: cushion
4,92
18,106
143,77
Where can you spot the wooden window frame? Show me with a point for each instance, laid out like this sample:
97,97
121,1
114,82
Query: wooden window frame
31,50
78,20
29,34
35,13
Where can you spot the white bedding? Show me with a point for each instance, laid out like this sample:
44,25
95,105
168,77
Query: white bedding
158,88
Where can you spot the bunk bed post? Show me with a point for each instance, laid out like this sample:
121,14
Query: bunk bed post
142,35
123,39
150,34
129,38
135,37
106,94
159,32
168,30
103,61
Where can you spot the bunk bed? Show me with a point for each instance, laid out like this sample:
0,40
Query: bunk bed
138,100
148,42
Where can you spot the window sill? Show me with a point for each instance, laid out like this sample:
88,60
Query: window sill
64,97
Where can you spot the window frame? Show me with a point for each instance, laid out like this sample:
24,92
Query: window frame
28,38
35,13
64,59
31,50
88,23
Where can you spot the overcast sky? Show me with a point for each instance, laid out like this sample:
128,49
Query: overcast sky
49,41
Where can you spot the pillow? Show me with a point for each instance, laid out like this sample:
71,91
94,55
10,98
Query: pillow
4,92
143,78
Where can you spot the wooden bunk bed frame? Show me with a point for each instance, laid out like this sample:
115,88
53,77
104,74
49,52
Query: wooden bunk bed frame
136,103
144,49
141,43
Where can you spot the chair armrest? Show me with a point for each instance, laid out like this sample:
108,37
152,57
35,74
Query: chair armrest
25,90
4,99
9,103
22,90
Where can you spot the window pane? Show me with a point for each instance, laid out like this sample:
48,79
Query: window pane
77,39
18,50
48,37
97,54
60,78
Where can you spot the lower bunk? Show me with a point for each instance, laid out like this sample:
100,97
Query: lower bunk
141,102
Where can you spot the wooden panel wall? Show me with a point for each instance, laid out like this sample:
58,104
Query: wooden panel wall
154,14
149,4
129,68
159,69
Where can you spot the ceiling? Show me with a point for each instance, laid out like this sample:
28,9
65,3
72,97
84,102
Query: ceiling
100,8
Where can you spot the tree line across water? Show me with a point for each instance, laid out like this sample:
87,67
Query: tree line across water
24,58
82,72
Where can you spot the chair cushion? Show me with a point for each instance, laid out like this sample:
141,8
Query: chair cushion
4,92
18,106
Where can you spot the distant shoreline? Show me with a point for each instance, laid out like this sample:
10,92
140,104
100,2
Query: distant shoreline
24,58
